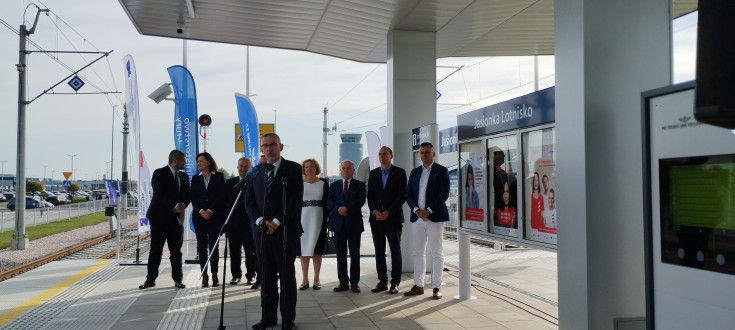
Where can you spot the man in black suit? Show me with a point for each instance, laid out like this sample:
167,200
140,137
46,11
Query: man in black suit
264,204
385,197
345,200
238,229
426,194
166,216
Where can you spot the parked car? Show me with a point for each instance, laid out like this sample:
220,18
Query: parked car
30,203
8,194
3,198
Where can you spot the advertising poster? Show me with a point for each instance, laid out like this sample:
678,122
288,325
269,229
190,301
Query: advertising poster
472,187
540,186
503,155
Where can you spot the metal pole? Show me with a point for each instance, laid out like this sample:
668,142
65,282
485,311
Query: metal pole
247,71
20,239
535,73
184,51
112,141
122,203
463,239
2,185
325,130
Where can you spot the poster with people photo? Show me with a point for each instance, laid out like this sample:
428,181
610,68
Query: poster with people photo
504,185
472,186
540,186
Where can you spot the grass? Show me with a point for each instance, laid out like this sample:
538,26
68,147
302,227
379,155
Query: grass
39,231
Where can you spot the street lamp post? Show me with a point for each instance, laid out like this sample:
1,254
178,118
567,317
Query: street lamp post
3,179
44,173
106,172
72,165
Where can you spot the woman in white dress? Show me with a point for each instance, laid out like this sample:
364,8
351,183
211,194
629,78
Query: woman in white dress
313,221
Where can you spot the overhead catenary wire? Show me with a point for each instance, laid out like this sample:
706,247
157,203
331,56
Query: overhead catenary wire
42,50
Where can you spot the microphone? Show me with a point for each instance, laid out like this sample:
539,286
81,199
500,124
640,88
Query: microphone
243,182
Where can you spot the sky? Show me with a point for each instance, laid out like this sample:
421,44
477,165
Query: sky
291,88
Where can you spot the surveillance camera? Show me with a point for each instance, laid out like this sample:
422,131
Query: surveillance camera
179,30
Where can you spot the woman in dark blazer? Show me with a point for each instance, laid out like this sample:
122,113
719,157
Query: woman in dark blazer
209,202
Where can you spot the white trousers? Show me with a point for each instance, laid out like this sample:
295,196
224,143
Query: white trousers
430,232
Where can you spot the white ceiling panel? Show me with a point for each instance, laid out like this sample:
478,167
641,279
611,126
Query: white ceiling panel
357,29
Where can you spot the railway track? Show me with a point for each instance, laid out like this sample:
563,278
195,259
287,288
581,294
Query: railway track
103,247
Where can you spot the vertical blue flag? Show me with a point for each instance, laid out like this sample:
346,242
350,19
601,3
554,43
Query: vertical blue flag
186,126
248,127
186,130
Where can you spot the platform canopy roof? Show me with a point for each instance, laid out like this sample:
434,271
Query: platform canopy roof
357,29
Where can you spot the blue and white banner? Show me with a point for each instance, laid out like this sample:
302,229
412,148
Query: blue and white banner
144,175
248,127
111,191
186,127
373,146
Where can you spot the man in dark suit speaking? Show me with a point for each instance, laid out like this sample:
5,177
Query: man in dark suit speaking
385,197
166,215
345,200
264,204
426,195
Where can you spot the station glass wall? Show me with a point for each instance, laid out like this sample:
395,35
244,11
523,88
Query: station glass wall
498,174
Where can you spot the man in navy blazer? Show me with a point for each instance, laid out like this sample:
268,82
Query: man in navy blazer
264,200
426,195
166,216
345,201
385,197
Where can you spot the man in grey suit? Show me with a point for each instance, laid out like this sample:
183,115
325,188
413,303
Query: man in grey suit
166,216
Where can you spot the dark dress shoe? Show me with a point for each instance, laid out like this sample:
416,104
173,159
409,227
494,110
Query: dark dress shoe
288,326
437,294
179,285
355,288
317,287
380,287
393,289
250,280
264,324
215,280
235,280
205,281
256,285
147,285
341,287
304,286
415,291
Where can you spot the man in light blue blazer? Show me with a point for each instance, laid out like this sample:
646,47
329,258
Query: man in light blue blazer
426,195
345,200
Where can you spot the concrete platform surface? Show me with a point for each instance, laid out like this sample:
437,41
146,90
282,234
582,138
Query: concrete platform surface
514,289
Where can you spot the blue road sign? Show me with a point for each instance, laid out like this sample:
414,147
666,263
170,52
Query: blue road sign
67,183
76,83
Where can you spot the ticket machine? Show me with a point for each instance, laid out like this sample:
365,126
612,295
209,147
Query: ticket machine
690,212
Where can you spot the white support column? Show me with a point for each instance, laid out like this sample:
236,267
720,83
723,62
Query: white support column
411,103
607,53
465,286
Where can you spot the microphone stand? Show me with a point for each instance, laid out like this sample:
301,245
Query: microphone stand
224,273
